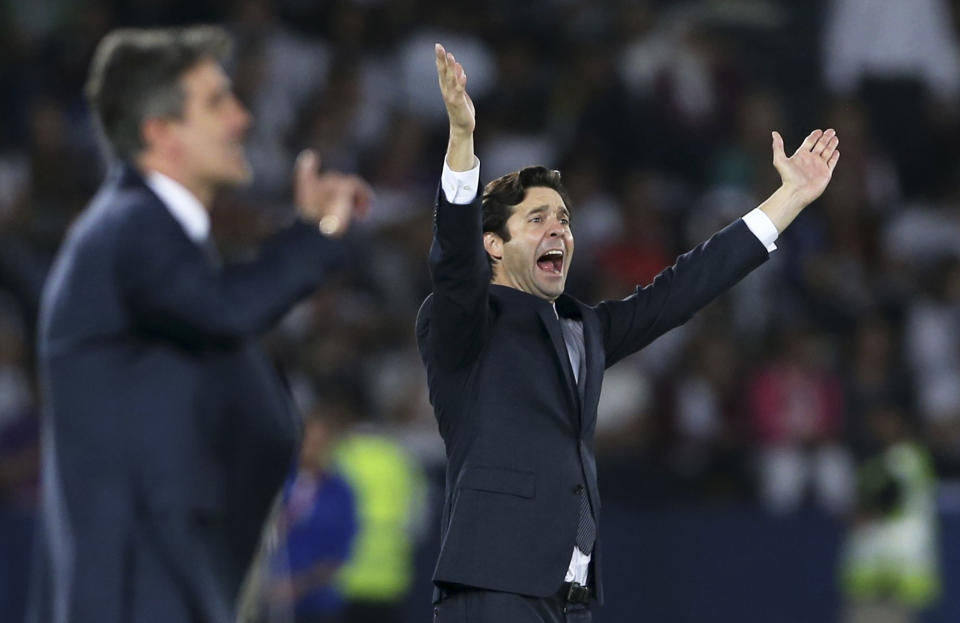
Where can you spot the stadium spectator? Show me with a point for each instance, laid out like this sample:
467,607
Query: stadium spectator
316,525
796,412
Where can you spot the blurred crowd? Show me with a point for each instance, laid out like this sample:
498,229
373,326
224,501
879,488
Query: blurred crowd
658,114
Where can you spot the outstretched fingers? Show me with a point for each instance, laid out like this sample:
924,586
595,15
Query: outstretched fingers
446,69
809,142
825,139
457,76
830,148
440,53
832,162
443,67
451,74
453,88
461,76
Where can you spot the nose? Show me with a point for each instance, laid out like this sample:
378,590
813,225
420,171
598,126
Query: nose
244,118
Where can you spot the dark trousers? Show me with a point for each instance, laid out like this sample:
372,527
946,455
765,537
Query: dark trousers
479,606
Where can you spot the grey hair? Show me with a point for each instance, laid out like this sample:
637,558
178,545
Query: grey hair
135,74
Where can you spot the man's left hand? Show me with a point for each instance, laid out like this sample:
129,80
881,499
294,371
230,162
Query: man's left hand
807,172
330,199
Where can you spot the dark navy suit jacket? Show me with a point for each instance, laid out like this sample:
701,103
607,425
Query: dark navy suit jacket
518,434
167,432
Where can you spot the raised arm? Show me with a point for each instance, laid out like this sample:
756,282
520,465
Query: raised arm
174,291
454,319
712,267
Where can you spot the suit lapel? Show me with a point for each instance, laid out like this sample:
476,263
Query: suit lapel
552,324
593,349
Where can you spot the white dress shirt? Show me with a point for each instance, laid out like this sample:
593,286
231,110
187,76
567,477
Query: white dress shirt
460,187
182,204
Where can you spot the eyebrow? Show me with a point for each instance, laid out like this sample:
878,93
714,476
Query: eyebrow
543,208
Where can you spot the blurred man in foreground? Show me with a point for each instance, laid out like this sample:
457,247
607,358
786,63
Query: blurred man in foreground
167,431
515,366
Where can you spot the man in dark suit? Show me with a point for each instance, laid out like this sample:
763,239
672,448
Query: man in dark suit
514,368
167,431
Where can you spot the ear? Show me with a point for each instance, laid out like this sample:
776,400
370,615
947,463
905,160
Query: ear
156,133
493,245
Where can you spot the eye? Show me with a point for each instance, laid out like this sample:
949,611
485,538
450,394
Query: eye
536,219
219,98
564,220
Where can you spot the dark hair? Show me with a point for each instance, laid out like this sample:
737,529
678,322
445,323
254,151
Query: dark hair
504,193
135,73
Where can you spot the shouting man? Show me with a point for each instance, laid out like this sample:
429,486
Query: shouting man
514,367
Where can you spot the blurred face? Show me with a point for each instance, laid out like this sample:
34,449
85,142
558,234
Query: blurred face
207,142
537,257
316,444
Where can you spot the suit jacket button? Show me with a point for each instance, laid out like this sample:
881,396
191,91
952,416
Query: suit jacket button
578,489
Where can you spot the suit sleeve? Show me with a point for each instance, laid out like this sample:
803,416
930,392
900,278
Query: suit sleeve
461,279
697,277
172,289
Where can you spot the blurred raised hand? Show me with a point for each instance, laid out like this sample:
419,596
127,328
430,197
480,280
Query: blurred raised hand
330,199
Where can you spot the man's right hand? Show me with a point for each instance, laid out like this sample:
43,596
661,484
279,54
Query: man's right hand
460,110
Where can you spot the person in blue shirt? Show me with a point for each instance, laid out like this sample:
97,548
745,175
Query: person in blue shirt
316,525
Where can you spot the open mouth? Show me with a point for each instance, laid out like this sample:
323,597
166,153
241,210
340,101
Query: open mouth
551,262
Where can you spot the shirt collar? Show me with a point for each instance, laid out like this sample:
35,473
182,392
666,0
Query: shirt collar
182,204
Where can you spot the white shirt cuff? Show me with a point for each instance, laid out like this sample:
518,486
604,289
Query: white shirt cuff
460,187
762,227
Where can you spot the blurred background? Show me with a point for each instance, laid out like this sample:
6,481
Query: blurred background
791,454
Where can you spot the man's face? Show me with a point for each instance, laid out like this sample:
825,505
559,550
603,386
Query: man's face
537,258
209,137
